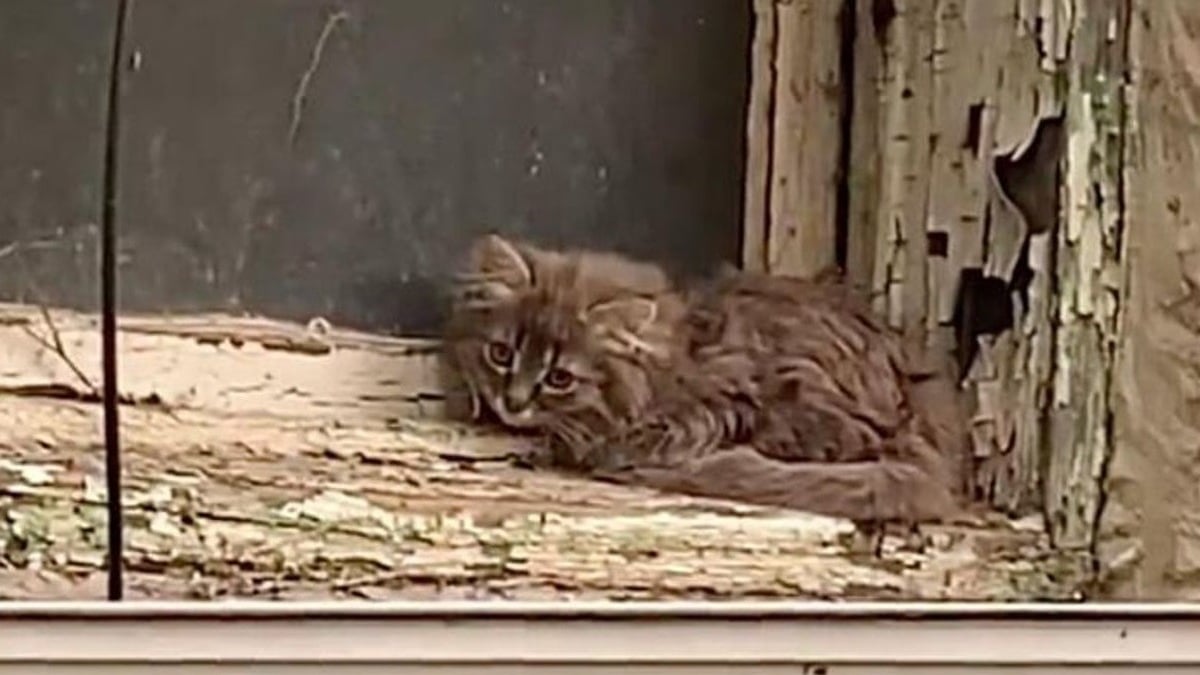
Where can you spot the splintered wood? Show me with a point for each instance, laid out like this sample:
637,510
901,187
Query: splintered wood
963,84
946,136
971,120
269,459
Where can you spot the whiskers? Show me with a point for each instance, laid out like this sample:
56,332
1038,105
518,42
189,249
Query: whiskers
568,436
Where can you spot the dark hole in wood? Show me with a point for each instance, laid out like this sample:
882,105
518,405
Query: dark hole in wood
1030,180
983,307
974,127
938,244
1022,276
848,27
883,12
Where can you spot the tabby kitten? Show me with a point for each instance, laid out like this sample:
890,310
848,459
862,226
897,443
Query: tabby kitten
762,389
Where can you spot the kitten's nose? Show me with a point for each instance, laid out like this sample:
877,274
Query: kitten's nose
516,399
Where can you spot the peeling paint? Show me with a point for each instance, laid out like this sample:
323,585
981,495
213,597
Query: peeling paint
1042,418
1087,317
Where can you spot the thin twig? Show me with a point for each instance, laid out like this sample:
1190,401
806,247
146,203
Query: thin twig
19,246
301,94
55,344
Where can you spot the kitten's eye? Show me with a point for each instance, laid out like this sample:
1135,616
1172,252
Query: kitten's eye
499,354
559,378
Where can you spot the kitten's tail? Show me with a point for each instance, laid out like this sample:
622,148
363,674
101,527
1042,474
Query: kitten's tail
871,491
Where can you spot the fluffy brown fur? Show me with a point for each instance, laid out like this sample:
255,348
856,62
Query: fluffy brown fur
763,389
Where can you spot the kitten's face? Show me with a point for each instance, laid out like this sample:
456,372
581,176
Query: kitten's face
529,367
531,339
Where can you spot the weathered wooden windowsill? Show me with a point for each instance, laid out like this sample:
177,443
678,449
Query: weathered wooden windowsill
266,459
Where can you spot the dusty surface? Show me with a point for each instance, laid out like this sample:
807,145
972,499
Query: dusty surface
307,470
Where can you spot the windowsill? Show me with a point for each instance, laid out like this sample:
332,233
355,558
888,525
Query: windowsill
302,473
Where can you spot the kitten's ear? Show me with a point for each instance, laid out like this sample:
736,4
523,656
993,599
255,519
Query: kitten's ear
496,270
632,313
494,257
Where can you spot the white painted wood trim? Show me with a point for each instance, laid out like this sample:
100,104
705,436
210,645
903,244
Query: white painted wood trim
737,634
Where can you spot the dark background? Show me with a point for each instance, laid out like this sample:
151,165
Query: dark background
611,123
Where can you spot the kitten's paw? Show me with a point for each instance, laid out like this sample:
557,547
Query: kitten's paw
907,494
532,457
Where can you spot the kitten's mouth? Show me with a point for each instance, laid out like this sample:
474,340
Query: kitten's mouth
521,419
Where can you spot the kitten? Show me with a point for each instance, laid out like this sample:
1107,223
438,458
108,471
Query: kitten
763,389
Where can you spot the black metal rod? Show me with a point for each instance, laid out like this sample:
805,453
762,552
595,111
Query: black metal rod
108,313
